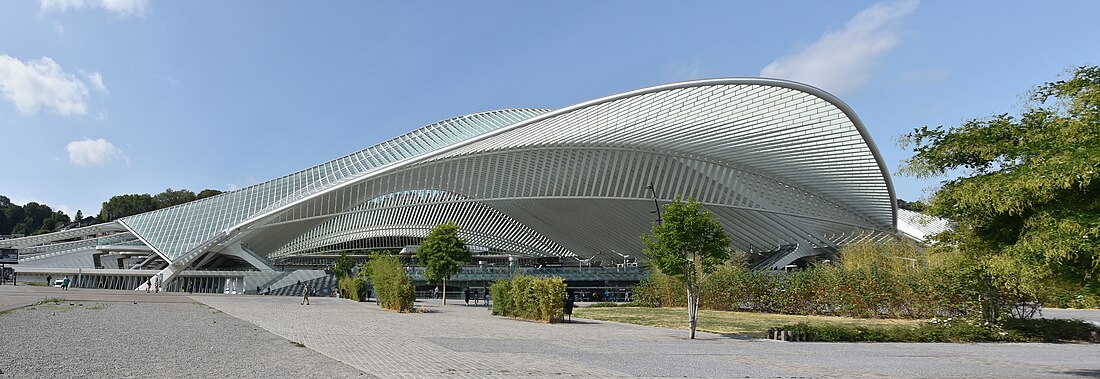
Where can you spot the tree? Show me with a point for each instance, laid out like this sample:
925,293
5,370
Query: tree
126,205
170,198
688,246
207,193
344,265
1026,198
442,254
79,216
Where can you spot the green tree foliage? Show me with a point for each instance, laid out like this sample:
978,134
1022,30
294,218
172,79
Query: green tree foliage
31,218
207,193
689,245
915,206
171,197
343,266
1027,200
392,286
126,205
442,253
35,218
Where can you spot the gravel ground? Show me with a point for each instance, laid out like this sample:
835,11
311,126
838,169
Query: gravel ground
129,340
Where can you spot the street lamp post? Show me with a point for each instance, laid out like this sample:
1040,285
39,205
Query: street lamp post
655,204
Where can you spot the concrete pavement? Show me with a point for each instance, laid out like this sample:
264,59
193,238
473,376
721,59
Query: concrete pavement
460,341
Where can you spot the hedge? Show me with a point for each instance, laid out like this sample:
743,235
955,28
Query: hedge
528,297
954,330
893,281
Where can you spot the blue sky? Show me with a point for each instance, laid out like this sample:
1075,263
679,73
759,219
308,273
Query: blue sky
107,97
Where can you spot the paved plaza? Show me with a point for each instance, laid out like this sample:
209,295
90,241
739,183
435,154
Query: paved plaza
456,340
250,336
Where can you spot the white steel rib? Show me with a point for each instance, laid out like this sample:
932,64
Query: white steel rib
780,163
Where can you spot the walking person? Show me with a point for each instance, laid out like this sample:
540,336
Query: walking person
65,283
466,295
148,285
49,280
305,295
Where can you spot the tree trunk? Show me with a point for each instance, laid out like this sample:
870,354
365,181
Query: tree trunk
444,291
692,310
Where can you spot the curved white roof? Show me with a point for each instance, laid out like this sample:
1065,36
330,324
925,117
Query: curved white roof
778,162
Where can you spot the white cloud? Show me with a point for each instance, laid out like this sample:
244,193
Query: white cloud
39,83
119,8
89,152
687,69
96,80
841,61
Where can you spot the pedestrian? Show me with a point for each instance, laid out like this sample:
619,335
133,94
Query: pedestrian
435,292
305,295
65,283
191,287
158,284
466,295
148,285
49,280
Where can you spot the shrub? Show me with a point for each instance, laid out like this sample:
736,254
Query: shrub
1066,295
660,290
530,298
354,288
892,279
392,285
954,330
502,302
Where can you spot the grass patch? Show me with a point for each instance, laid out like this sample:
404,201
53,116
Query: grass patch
847,329
607,304
298,344
723,322
97,307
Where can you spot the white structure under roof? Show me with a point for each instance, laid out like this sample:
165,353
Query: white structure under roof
787,168
920,226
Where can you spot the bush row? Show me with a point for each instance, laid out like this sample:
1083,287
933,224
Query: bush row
871,281
530,298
